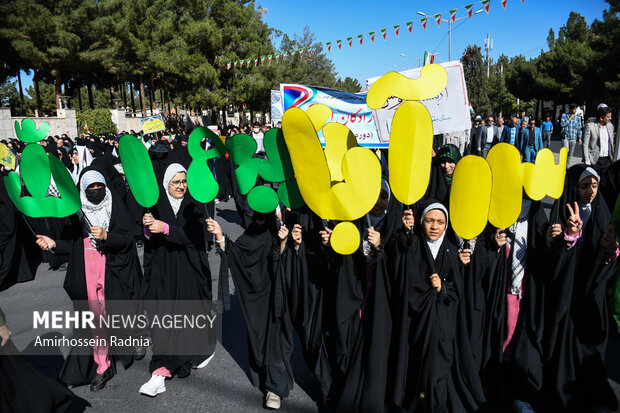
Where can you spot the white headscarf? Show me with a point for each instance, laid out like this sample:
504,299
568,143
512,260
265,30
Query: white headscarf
435,245
96,215
171,171
85,158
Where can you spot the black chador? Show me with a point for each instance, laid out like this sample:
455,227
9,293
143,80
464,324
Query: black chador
176,268
576,327
433,368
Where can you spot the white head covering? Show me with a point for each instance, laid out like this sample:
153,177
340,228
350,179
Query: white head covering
85,158
171,171
589,171
91,214
435,245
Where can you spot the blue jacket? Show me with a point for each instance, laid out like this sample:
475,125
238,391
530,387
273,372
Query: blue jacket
506,135
525,137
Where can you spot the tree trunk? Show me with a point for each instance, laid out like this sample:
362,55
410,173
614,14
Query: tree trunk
112,106
80,97
124,93
133,104
37,92
161,98
21,93
167,101
151,93
57,75
91,102
142,98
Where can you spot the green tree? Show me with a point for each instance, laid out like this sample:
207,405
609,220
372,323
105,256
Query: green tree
97,121
9,97
348,85
476,79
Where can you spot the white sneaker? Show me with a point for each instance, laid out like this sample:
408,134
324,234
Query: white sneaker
206,361
155,386
272,401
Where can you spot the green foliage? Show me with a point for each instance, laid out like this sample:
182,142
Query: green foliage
476,79
9,96
348,85
98,121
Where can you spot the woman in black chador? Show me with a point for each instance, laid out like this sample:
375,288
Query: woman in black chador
434,371
103,266
575,337
176,267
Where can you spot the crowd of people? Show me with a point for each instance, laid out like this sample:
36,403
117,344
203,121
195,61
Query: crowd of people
416,319
530,135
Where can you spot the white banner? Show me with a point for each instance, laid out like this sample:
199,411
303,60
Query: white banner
449,110
276,106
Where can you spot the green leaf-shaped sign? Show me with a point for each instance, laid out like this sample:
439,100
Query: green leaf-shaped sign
200,180
29,133
138,170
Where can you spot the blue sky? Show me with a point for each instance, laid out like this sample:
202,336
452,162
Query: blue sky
520,29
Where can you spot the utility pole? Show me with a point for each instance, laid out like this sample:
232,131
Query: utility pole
488,45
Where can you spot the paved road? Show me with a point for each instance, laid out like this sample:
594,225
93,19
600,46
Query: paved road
221,387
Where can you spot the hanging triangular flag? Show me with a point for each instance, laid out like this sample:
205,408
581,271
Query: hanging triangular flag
309,49
339,44
428,58
235,64
360,37
453,15
269,58
470,10
247,64
329,46
397,29
256,62
372,37
301,51
277,57
228,65
384,33
423,20
262,60
522,1
504,2
437,18
486,5
409,26
350,41
285,55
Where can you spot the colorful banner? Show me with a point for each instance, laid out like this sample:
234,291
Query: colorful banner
350,41
469,9
486,5
397,29
424,20
437,18
372,37
449,110
152,124
349,109
504,2
384,33
339,43
409,26
276,106
453,14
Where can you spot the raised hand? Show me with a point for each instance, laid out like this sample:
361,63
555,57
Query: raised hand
214,228
574,224
408,221
296,235
147,219
500,237
374,238
5,334
465,256
553,231
325,235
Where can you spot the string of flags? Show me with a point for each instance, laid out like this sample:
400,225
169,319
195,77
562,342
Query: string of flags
469,10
